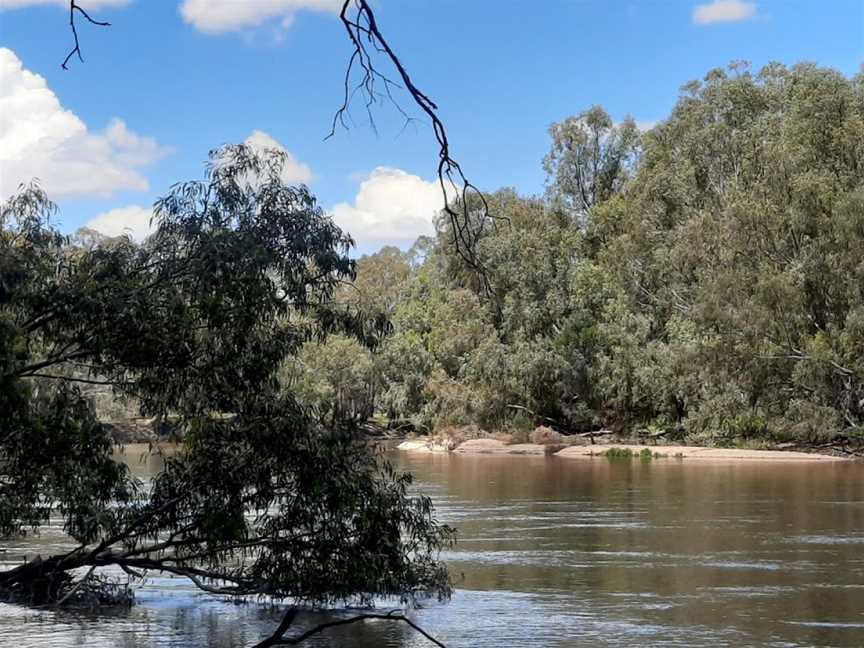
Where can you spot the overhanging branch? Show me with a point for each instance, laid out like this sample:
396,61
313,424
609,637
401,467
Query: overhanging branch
73,7
362,28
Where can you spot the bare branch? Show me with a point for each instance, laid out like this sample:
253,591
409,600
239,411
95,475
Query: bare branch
70,379
78,586
73,7
360,24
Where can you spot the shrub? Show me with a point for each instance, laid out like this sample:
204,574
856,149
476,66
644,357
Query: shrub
618,453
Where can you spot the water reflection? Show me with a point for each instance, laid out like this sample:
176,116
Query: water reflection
557,552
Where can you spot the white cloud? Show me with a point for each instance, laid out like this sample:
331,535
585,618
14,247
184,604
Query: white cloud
220,16
41,139
723,11
391,207
645,125
86,5
132,220
293,171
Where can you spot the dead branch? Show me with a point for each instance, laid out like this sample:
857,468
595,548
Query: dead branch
78,586
73,7
278,638
362,28
467,225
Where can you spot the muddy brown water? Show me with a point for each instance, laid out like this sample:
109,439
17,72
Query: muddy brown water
557,552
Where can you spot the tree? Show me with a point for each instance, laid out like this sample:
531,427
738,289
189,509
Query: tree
335,380
195,324
380,280
460,356
590,160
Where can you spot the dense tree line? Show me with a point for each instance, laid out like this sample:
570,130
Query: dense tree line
703,280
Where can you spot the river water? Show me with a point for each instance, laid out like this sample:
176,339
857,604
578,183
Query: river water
568,552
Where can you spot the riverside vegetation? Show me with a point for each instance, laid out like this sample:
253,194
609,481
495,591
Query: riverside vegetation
701,282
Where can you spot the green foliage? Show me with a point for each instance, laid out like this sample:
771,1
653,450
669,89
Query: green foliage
737,256
618,453
335,379
380,280
644,455
591,159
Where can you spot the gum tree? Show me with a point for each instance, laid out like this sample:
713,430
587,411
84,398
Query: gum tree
194,324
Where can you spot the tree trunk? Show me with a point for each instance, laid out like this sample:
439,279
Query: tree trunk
39,582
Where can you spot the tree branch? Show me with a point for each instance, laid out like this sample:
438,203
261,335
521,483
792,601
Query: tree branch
362,28
278,638
280,631
29,370
73,7
77,380
78,586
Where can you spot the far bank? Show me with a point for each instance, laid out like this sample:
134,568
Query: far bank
491,446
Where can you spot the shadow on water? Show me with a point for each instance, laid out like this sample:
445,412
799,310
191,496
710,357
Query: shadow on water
556,552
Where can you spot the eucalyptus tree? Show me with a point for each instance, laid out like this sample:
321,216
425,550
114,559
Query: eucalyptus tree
195,324
590,160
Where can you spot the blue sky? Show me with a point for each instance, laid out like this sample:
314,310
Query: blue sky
501,72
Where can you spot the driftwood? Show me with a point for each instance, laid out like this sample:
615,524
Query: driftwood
592,434
535,416
392,430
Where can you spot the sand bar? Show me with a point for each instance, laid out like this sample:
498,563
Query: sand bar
493,447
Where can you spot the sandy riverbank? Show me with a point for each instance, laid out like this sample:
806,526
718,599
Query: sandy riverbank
660,452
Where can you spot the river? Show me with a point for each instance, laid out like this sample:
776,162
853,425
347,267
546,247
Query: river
568,552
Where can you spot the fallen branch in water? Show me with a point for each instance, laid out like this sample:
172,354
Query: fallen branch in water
278,638
78,586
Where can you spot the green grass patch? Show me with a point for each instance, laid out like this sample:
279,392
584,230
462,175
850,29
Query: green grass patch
619,453
626,453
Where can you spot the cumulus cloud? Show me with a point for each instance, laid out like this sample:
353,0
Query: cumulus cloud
133,220
392,207
293,171
41,139
723,11
87,5
220,16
